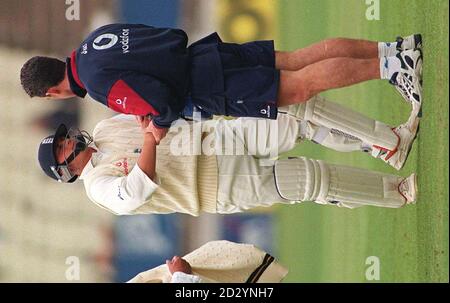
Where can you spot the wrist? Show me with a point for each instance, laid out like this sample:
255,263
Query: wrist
148,136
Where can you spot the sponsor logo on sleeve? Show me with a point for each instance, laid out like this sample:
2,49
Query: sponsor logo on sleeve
84,49
124,40
108,40
122,102
105,41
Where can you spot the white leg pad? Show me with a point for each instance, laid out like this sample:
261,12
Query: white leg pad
297,110
303,179
333,139
334,116
322,135
353,187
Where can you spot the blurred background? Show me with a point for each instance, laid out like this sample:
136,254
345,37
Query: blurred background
47,229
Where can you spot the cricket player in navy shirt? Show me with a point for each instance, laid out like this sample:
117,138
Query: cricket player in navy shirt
148,71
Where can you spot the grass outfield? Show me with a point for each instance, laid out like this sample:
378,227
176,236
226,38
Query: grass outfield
326,243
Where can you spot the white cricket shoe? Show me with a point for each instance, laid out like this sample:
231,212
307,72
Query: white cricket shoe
409,42
408,81
406,133
408,189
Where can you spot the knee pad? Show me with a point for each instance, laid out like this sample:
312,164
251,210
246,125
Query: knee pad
301,179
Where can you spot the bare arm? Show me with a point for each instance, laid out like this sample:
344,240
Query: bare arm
147,159
181,271
158,132
178,264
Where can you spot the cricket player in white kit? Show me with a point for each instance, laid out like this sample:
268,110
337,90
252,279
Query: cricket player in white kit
115,178
217,262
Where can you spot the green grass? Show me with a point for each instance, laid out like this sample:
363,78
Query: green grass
330,244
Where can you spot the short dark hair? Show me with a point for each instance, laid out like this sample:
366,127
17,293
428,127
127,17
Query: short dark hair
40,73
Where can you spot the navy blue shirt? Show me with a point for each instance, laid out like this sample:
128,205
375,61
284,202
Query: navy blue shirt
134,69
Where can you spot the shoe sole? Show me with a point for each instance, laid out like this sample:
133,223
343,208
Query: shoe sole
418,65
407,146
417,129
419,110
417,106
418,41
414,189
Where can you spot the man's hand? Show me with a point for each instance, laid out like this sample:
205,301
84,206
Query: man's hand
143,121
158,133
178,264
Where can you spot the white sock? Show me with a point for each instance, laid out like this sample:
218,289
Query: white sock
389,66
387,49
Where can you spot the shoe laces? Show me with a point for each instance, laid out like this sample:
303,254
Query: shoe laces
404,84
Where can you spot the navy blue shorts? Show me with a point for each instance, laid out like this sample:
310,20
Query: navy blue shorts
250,81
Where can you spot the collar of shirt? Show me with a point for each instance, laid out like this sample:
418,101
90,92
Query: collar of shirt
75,83
95,158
